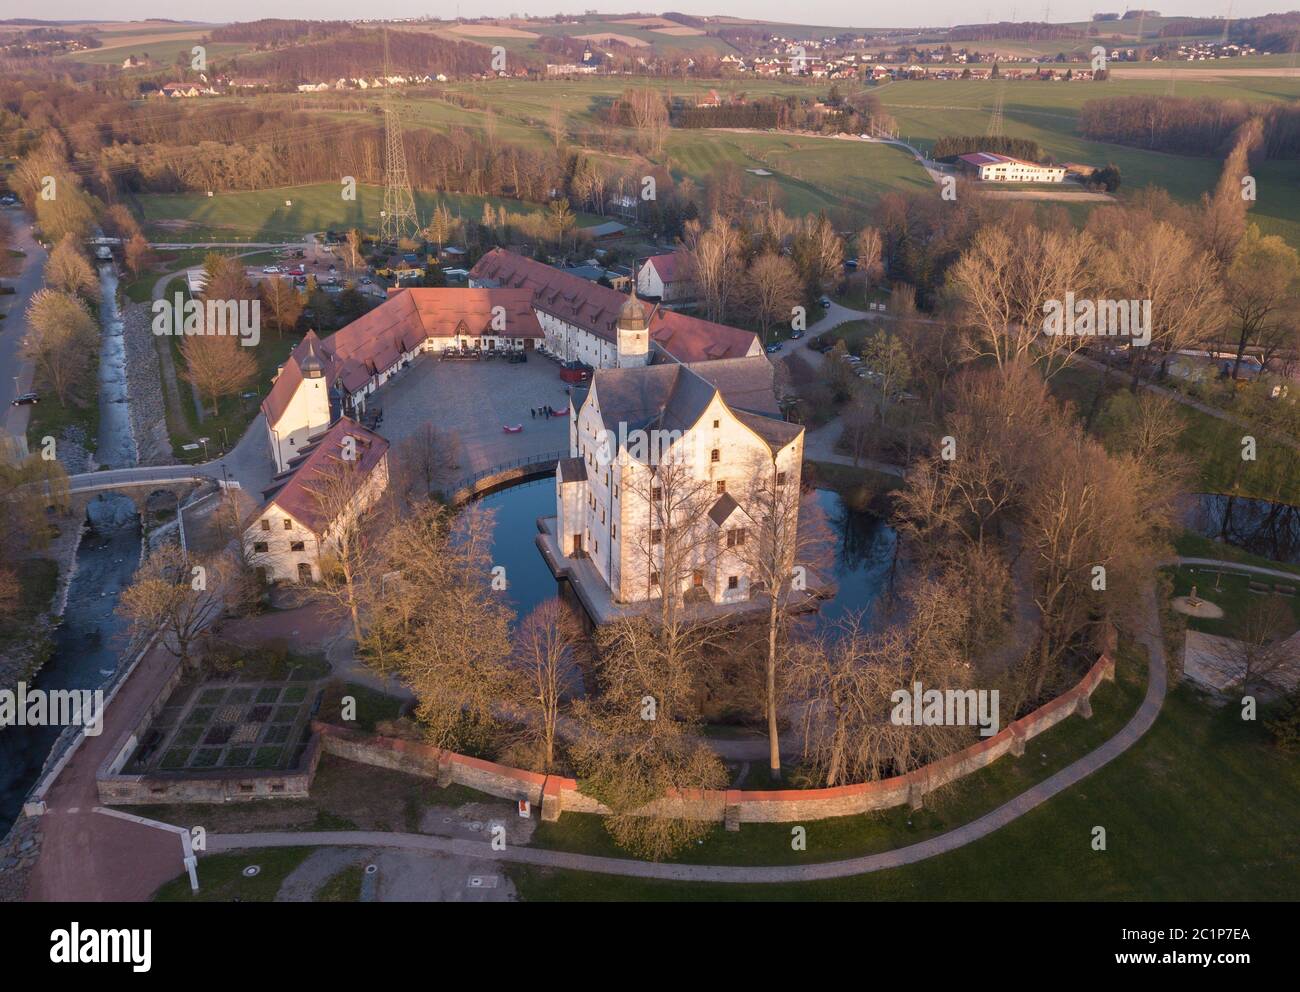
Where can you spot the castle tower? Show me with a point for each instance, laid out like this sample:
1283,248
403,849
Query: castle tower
633,333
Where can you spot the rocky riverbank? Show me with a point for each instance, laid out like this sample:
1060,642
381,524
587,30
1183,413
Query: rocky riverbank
18,854
145,387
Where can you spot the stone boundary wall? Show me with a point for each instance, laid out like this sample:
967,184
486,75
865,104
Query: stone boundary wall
225,785
558,794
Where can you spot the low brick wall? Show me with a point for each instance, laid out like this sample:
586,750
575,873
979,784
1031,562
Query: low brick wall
447,767
558,794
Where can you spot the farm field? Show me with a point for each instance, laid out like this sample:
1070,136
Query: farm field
1048,113
812,173
260,215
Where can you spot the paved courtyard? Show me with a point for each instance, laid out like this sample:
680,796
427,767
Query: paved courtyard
475,400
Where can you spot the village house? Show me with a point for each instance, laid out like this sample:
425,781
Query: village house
705,438
581,322
665,278
322,380
336,475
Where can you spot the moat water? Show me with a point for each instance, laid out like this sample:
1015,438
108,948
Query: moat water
863,548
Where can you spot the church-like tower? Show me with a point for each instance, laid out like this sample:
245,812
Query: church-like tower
633,333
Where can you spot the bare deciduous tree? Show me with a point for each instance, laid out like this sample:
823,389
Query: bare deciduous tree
178,596
638,749
549,645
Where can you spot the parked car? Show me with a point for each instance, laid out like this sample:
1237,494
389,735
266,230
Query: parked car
796,334
271,270
774,347
8,200
26,399
824,302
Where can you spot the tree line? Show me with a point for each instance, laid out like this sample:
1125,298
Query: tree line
1190,126
947,148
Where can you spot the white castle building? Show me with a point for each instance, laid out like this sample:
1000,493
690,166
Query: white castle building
580,319
703,440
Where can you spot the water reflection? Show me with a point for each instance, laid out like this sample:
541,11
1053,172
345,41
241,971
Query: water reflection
1271,530
863,547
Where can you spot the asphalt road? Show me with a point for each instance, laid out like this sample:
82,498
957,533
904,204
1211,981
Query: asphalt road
14,326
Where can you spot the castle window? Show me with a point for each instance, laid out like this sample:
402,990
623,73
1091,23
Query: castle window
780,478
654,578
733,582
288,524
266,524
613,530
717,455
722,486
735,537
716,423
297,546
656,494
260,547
656,536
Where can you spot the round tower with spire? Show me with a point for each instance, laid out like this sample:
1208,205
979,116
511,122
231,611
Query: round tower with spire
633,333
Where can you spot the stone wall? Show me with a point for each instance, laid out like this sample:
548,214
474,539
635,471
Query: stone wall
558,794
224,786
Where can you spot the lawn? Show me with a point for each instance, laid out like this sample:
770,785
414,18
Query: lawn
221,877
50,418
234,413
1201,808
260,216
1192,545
1232,593
344,886
1212,444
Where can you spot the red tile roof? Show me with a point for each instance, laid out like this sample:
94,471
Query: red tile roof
669,267
295,491
595,309
376,340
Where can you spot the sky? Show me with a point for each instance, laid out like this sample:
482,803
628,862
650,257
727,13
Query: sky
925,13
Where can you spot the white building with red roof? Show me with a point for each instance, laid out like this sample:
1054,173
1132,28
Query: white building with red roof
324,379
334,477
991,167
666,278
581,319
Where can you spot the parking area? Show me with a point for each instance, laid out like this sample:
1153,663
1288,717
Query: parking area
477,400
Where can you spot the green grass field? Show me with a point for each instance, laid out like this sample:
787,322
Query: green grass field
260,216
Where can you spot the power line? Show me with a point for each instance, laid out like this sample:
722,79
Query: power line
399,218
994,130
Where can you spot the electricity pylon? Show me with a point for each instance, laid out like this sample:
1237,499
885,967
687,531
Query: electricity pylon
399,218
